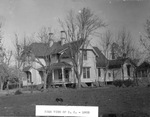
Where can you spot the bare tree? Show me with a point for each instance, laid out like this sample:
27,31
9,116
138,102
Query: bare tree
145,38
19,46
45,36
125,43
79,27
106,42
3,67
125,46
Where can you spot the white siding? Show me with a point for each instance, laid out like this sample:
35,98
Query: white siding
91,63
36,78
108,78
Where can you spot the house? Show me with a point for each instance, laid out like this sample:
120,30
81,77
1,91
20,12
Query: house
54,56
116,69
142,72
60,67
62,70
101,64
32,69
122,68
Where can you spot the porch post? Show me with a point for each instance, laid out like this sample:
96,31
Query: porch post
63,78
52,76
62,71
141,74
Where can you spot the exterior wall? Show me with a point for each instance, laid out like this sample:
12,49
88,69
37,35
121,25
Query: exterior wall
24,81
91,63
54,59
117,74
36,78
126,71
108,78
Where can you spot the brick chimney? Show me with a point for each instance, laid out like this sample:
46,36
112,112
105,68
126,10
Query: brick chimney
63,37
51,41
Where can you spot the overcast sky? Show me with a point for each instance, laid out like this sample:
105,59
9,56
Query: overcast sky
28,16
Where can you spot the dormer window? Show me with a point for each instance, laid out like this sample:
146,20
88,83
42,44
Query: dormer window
84,55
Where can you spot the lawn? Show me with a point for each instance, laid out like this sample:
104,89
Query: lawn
108,99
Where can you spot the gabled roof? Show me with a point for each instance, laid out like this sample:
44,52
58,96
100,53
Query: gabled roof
74,46
101,60
39,49
25,69
144,65
59,65
117,63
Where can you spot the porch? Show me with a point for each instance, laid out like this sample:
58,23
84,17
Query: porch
60,73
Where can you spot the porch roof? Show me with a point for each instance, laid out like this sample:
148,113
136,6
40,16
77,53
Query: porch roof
26,68
59,65
41,69
143,66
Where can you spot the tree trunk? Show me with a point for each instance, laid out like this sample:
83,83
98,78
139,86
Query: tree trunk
105,74
122,73
45,80
2,86
78,85
19,79
79,82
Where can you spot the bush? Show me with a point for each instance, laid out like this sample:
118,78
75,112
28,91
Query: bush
128,83
18,92
119,83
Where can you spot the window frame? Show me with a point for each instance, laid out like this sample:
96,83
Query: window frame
85,55
86,73
109,75
99,72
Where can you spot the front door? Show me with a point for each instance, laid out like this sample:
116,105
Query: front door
66,74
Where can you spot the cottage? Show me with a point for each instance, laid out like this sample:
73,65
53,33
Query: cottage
122,68
142,72
116,69
32,69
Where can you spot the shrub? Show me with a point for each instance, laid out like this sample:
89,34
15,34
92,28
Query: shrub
128,83
18,92
118,83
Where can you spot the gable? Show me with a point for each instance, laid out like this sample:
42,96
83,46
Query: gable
144,65
101,60
117,63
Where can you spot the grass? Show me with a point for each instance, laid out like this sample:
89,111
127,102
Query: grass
109,100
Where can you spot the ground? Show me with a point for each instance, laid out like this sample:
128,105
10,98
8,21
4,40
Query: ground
108,99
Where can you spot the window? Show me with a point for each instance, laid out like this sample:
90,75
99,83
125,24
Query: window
86,72
128,69
29,79
109,74
144,73
84,55
59,74
66,73
99,72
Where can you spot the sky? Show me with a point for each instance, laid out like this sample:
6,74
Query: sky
26,17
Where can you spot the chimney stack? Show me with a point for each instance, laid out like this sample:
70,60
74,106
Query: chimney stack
50,39
63,37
